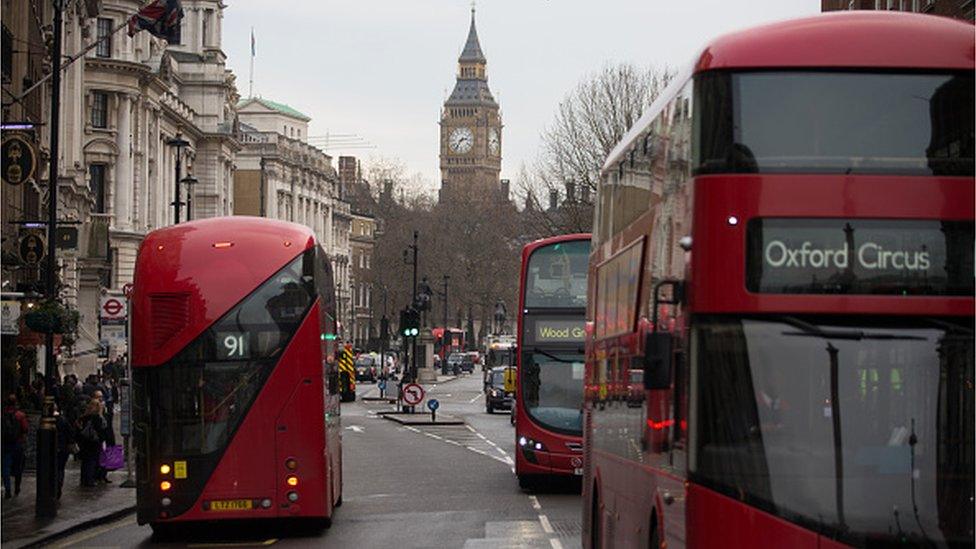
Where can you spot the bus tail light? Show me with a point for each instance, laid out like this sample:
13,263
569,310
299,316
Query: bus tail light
291,480
165,485
291,464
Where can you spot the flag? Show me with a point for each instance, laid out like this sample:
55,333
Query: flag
252,41
161,18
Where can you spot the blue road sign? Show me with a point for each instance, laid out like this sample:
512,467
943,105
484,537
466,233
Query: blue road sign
433,404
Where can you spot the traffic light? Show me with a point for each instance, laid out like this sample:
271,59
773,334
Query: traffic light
409,322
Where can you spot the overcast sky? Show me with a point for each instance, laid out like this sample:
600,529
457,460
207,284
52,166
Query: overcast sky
381,69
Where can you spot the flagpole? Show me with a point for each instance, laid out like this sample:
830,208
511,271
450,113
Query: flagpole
250,85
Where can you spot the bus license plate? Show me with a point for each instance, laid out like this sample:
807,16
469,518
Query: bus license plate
231,505
578,471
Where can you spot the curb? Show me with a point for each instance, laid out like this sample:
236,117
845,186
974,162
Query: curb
77,527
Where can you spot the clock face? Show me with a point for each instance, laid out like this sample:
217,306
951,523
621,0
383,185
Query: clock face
462,139
493,141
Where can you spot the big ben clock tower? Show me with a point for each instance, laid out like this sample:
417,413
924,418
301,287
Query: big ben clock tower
471,129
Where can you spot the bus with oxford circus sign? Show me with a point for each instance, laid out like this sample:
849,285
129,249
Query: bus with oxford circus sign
781,292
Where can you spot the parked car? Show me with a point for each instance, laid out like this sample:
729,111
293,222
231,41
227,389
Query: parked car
496,397
366,368
467,363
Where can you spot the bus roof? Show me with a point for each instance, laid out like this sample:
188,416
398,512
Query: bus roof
850,39
846,40
213,263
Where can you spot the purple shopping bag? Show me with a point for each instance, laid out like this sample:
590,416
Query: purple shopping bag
112,458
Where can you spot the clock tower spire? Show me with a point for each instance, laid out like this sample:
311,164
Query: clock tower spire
471,128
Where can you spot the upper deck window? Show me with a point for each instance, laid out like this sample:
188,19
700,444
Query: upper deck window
835,122
556,275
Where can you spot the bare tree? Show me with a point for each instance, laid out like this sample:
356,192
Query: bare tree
589,122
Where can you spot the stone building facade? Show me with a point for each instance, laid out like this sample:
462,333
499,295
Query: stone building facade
123,103
281,176
960,9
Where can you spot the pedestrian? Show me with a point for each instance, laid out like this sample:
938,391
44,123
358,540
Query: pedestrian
89,435
66,444
14,437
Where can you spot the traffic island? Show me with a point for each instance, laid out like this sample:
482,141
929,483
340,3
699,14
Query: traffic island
420,418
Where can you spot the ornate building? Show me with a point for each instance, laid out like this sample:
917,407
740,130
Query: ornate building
131,108
471,129
279,175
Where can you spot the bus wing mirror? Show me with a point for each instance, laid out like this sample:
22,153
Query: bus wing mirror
657,360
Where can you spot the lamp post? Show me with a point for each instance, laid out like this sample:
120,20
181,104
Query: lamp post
45,503
189,181
179,143
413,302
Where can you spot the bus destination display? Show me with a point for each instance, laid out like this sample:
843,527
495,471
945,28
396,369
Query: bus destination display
547,330
859,256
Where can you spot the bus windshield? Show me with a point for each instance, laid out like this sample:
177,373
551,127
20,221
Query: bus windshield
838,122
858,428
556,275
552,390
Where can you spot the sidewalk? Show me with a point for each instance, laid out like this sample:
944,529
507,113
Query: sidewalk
78,508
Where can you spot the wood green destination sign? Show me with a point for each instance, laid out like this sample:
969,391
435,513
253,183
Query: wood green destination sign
549,330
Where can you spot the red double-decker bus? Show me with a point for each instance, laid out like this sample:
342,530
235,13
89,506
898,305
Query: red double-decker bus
549,396
781,291
449,340
235,383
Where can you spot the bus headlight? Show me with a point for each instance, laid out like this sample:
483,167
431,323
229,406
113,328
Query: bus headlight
164,469
529,444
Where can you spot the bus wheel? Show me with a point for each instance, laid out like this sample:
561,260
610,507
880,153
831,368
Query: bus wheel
655,538
161,531
527,482
489,408
596,524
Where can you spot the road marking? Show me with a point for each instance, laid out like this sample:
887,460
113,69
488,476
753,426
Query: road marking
501,451
476,398
555,543
535,503
355,429
264,543
546,526
97,532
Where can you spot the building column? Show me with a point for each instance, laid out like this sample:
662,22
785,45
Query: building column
123,164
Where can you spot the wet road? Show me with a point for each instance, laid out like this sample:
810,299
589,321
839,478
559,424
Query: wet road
422,486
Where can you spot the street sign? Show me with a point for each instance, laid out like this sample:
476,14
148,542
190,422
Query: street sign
32,248
112,308
18,159
67,238
11,317
433,405
413,394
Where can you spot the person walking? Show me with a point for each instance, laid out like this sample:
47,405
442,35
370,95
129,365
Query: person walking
14,437
90,433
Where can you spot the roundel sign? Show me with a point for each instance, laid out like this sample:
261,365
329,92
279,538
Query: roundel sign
413,394
113,308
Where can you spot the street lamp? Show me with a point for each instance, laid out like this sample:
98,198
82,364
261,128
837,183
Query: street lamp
189,181
179,143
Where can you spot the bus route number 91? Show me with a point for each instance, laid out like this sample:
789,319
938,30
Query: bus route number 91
232,346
